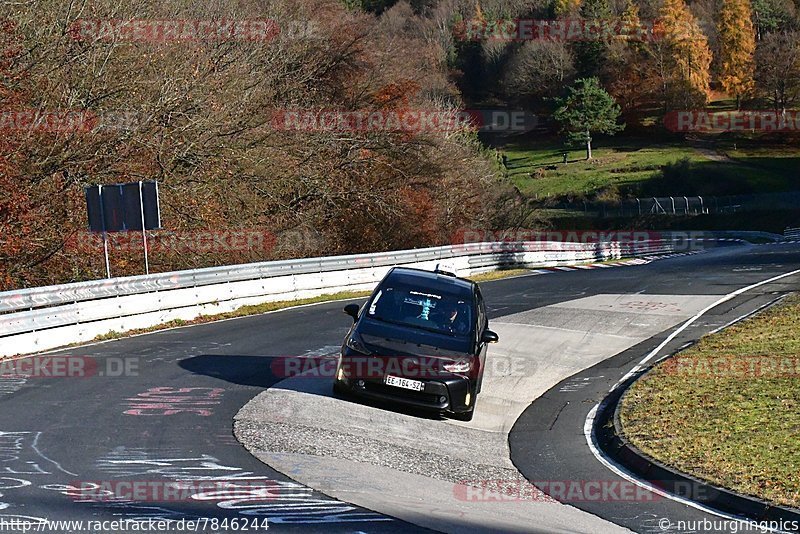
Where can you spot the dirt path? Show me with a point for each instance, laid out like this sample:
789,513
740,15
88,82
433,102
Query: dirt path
713,155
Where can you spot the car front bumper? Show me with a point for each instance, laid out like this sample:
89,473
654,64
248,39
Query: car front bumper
446,393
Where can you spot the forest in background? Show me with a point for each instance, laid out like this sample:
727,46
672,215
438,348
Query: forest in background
197,116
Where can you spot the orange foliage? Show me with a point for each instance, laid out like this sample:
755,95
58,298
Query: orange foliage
396,95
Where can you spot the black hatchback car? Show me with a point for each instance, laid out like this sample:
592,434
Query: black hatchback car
419,340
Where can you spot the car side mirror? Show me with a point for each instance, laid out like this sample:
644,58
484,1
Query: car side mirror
352,311
489,337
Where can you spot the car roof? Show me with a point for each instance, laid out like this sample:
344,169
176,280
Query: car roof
409,275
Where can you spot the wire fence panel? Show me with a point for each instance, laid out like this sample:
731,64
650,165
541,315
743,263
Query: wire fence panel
679,205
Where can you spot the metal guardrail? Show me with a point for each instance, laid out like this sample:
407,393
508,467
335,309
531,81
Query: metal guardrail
792,233
115,287
38,297
41,318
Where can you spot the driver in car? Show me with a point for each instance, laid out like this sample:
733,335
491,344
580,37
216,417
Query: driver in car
458,319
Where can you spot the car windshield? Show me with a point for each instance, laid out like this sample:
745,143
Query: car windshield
445,312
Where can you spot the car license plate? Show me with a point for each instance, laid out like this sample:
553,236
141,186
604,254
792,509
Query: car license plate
404,383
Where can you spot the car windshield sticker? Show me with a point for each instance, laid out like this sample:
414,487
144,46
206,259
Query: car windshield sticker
375,303
427,304
429,295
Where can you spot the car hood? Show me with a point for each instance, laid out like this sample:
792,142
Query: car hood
389,339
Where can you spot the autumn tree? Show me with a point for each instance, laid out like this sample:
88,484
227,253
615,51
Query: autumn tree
778,69
631,23
31,199
737,44
203,127
587,109
628,67
565,8
683,56
539,69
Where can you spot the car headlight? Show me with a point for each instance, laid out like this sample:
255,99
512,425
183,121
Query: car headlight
464,365
354,343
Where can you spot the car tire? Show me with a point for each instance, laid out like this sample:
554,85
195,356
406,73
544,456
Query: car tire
340,389
463,416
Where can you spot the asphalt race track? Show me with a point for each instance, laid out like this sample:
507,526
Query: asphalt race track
325,464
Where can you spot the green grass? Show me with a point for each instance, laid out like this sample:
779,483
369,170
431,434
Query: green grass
777,162
497,275
728,409
620,165
633,166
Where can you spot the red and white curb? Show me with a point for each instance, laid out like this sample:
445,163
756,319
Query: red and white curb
607,265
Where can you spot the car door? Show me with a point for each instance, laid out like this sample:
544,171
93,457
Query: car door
482,325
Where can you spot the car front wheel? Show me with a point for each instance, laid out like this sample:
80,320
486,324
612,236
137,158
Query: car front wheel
339,388
464,416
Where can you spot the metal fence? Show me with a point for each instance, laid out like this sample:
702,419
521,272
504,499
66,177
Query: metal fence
680,205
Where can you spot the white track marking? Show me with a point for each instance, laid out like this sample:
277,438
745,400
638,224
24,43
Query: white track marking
691,320
621,472
746,315
589,423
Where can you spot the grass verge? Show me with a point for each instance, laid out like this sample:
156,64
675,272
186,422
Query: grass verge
727,410
238,312
497,275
